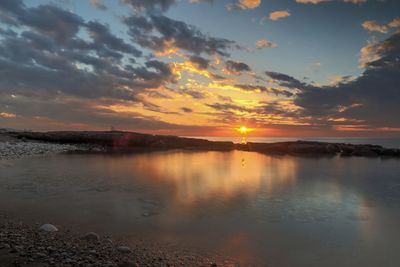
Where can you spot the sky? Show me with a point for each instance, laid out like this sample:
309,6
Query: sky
202,67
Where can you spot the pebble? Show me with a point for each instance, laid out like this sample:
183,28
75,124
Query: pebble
48,228
14,150
67,249
40,255
91,236
124,249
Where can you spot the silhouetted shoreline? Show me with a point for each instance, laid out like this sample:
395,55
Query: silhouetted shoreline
120,141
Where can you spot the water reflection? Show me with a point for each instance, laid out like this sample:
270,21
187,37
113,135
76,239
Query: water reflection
285,211
200,176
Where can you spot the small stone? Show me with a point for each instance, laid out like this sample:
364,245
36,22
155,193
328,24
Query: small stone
91,236
93,252
109,241
48,228
51,249
124,249
213,265
40,255
128,264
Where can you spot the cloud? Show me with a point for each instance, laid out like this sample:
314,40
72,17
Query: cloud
97,4
101,34
263,89
324,1
264,43
186,110
6,115
200,1
395,23
235,67
200,62
244,4
81,114
311,1
276,15
373,26
371,98
52,21
160,34
286,80
150,5
249,4
46,57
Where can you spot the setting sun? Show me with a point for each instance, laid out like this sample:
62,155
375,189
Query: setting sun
244,130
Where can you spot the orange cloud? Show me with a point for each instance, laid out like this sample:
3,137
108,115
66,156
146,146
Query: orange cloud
7,115
250,4
264,43
322,1
279,14
373,26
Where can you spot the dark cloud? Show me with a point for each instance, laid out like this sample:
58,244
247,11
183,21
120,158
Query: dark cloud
236,67
79,112
101,34
286,80
150,5
263,89
372,99
47,57
229,107
200,62
195,94
49,20
158,33
186,110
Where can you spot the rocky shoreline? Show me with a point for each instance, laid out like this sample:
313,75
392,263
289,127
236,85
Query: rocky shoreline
14,150
117,141
23,245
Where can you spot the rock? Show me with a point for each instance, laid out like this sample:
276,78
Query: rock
91,236
48,228
213,265
109,241
40,255
5,246
128,264
124,249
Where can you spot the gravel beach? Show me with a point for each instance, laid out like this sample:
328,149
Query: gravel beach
13,148
29,245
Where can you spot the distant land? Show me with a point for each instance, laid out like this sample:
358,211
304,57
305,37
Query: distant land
122,141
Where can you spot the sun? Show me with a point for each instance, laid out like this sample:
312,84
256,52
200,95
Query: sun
244,130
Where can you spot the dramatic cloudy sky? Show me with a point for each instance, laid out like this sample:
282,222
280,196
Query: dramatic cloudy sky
202,67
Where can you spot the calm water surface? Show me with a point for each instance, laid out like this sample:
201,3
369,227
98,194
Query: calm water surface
272,211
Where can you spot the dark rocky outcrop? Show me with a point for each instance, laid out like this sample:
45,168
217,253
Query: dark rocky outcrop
129,141
309,148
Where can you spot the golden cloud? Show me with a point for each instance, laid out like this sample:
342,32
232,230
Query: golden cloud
279,14
249,4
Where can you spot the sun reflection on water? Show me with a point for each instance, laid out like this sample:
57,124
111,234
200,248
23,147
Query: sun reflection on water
205,175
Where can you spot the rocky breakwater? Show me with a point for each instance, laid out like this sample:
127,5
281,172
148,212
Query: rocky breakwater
124,141
118,141
309,148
